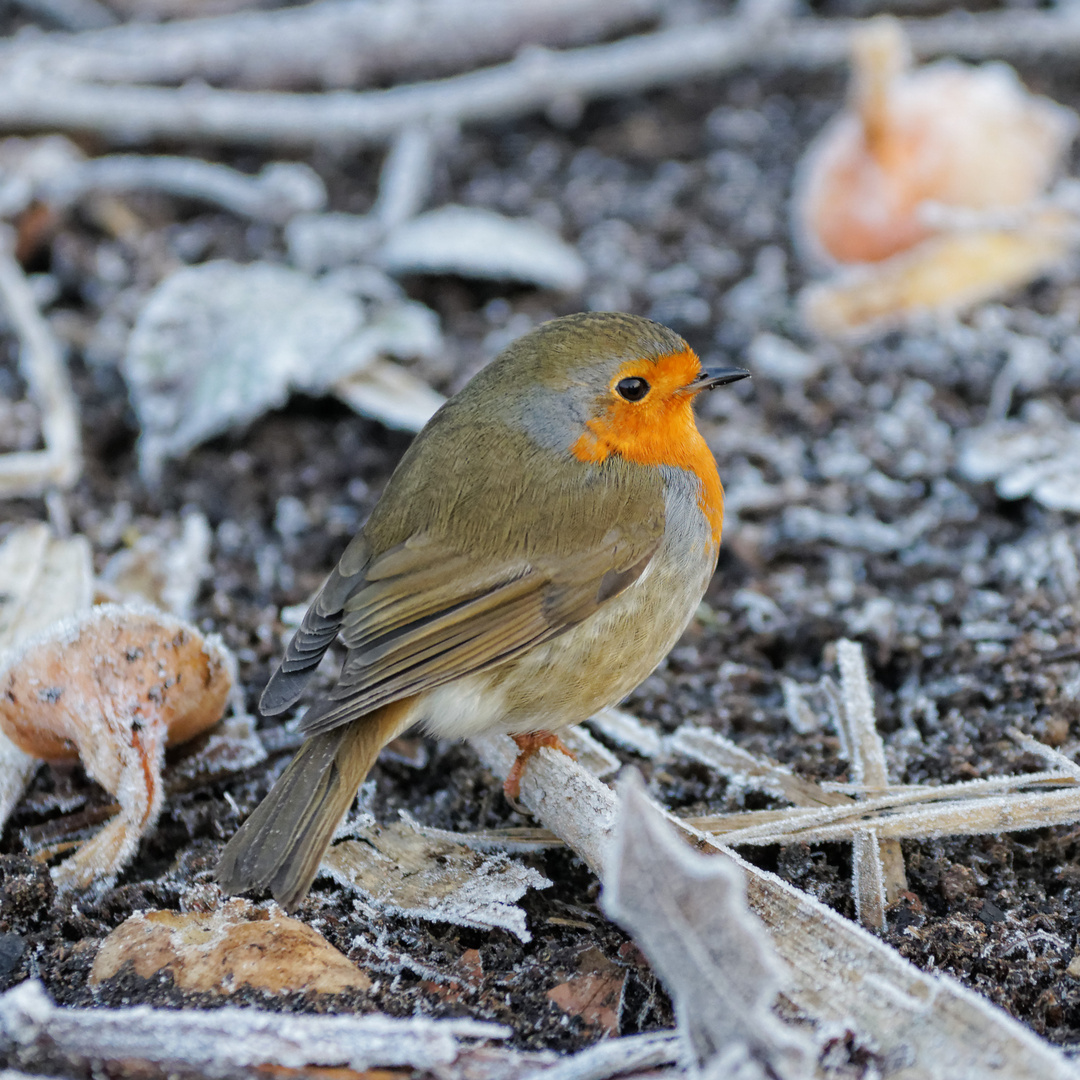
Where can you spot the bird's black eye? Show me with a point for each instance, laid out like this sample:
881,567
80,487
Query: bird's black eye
632,389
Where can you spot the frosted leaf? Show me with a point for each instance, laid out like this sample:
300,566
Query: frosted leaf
417,876
689,915
230,747
221,951
1036,455
477,243
227,1041
113,687
949,133
944,274
384,391
217,345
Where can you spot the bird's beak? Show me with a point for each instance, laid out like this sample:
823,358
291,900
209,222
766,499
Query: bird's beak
711,377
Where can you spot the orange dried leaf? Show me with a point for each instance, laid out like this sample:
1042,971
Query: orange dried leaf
221,951
944,274
113,687
948,133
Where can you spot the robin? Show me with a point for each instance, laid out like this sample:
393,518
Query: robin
537,552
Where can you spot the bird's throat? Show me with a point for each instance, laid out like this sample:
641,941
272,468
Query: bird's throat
648,437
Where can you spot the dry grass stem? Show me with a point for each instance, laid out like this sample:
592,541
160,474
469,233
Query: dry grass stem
59,464
965,817
882,879
791,825
1053,757
748,770
614,1057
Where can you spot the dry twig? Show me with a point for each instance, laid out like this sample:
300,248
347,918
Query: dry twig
281,189
332,43
35,95
840,974
228,1041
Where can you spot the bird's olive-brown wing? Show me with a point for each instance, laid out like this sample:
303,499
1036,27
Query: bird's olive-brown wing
439,619
468,559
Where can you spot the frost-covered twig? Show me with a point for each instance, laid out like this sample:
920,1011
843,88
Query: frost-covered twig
879,875
32,472
748,770
334,43
840,973
281,189
228,1041
535,80
962,817
614,1057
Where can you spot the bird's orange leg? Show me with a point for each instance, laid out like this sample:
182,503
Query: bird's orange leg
528,745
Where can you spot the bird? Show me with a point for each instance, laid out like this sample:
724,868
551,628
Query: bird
537,552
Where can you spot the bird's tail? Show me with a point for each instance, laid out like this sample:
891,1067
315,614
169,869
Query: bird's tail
279,848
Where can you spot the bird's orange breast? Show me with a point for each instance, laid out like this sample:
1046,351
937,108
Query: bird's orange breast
659,430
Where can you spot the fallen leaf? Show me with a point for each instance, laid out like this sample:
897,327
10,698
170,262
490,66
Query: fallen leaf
237,945
112,687
947,273
409,874
41,580
948,133
594,993
688,914
477,243
217,345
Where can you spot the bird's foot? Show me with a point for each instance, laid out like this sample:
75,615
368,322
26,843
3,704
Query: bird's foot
528,745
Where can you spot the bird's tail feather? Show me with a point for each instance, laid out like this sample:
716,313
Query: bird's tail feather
281,844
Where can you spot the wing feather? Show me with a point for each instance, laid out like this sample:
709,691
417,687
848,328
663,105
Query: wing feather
422,642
